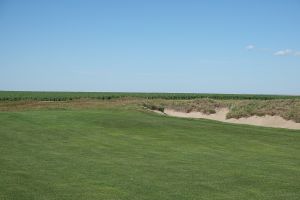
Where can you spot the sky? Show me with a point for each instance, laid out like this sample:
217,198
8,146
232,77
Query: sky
213,46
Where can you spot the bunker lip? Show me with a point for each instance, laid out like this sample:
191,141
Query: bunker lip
220,115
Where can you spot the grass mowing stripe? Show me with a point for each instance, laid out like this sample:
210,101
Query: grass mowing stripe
127,154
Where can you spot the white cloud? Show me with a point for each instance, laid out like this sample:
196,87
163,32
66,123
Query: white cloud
284,52
297,53
250,47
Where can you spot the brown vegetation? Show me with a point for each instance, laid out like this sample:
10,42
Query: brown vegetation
287,108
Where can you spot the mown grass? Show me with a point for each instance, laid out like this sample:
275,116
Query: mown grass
126,153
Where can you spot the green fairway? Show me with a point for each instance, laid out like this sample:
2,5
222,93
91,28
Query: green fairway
124,153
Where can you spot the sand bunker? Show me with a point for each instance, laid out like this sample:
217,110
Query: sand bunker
220,115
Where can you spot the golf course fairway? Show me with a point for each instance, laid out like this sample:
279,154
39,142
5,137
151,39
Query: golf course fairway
132,154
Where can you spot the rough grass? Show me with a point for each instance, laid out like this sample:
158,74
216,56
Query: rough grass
65,96
120,153
287,108
63,105
207,106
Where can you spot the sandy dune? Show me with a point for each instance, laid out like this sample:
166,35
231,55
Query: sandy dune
220,115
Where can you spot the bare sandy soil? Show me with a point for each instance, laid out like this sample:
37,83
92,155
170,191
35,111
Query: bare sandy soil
220,115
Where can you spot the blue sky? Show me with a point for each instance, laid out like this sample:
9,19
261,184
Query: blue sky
151,46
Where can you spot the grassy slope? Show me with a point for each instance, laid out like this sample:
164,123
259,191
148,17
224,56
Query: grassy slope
126,154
